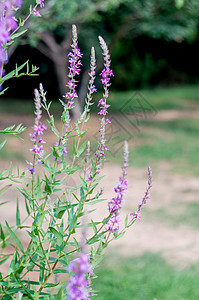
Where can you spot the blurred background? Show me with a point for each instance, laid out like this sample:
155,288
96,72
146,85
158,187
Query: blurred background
154,101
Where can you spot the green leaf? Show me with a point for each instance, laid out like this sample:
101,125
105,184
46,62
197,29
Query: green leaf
81,149
2,236
18,34
126,221
18,219
118,236
2,174
10,170
5,257
40,219
96,238
55,153
48,188
59,211
74,148
100,248
97,261
57,235
27,208
16,239
52,126
41,273
59,294
94,226
2,92
12,266
3,190
36,295
2,144
83,182
23,286
12,73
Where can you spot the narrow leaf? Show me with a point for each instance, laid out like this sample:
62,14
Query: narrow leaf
16,239
18,219
57,235
74,148
2,144
81,149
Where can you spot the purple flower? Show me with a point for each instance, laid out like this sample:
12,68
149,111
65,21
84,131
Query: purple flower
78,283
36,12
8,23
41,3
106,73
116,202
74,69
113,223
18,3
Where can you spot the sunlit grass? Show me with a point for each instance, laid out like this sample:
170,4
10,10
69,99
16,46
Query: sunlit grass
147,277
159,98
173,141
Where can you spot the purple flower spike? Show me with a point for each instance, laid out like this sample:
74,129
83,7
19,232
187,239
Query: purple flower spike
78,284
74,69
116,202
106,73
137,214
38,128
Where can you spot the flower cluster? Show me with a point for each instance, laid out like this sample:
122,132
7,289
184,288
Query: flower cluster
116,202
137,214
78,284
38,128
8,23
35,11
74,69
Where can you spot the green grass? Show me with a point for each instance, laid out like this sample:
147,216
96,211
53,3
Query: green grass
159,98
183,213
175,142
19,107
145,278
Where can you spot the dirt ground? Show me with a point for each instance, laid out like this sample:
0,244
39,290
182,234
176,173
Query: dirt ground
178,244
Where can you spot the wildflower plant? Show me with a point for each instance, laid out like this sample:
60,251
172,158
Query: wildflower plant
54,263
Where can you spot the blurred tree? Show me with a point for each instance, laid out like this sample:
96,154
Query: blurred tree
117,20
51,34
168,20
156,19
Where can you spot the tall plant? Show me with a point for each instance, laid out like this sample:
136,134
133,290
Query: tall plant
62,260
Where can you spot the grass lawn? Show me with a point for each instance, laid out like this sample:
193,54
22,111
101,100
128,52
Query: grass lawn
160,98
174,141
147,277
